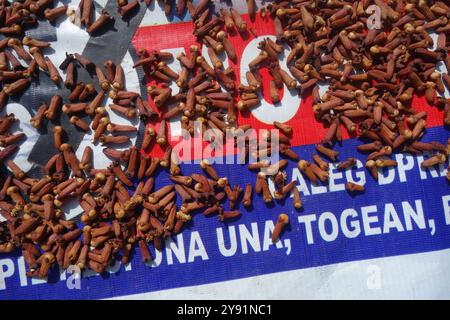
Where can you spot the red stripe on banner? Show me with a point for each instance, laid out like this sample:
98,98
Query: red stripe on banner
307,129
163,37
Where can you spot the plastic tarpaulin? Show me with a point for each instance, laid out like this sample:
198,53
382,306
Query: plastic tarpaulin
390,242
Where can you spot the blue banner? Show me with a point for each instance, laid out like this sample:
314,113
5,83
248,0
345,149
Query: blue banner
407,211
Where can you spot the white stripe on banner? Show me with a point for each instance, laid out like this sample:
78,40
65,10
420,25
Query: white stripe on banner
416,276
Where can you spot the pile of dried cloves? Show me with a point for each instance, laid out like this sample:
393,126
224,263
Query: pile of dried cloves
373,76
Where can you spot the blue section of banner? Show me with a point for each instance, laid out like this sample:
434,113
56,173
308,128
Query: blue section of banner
183,267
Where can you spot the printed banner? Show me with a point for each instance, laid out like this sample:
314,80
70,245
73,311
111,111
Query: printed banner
406,211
